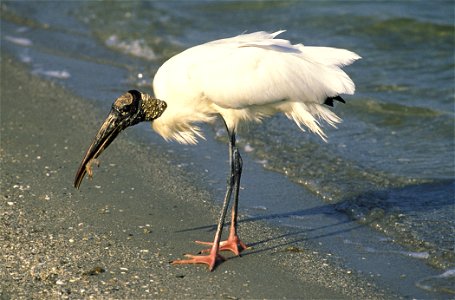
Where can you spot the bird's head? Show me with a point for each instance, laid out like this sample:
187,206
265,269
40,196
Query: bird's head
129,109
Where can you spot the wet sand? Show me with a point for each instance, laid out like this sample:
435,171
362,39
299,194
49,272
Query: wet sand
115,237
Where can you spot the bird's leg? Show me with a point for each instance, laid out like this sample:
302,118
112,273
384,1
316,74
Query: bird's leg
233,243
213,256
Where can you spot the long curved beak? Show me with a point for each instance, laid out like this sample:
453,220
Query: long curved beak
106,134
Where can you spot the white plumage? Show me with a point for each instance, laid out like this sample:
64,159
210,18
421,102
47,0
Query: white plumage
246,78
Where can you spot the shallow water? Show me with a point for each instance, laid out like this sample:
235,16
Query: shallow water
389,165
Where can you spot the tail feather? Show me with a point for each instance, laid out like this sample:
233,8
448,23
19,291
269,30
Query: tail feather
329,100
329,56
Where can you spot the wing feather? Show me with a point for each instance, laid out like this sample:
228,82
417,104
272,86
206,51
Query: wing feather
257,69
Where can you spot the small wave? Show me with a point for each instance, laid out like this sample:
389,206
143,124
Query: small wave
136,48
376,107
258,208
411,216
409,31
417,255
444,282
25,58
19,41
59,74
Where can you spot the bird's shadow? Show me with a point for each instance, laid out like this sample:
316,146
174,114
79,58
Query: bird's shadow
290,236
410,199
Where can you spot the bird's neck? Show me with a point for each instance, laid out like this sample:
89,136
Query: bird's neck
152,107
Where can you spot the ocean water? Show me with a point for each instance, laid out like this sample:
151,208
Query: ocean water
389,166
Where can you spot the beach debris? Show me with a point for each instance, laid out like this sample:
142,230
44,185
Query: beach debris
294,249
95,271
59,282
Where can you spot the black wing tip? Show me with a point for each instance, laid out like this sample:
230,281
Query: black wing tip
329,100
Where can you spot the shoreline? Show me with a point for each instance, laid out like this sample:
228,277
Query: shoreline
115,237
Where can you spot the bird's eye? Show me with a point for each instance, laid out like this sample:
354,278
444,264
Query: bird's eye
128,103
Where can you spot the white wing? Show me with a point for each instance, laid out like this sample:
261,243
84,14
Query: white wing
256,69
247,77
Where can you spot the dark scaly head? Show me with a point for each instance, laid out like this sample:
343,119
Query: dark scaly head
129,109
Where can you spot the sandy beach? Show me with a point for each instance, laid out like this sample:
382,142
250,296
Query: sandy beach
115,237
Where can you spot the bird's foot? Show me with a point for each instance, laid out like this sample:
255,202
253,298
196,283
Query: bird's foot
211,260
233,244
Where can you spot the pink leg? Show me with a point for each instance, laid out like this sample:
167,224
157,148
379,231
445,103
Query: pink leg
233,243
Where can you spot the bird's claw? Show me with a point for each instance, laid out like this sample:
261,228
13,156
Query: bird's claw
233,244
210,260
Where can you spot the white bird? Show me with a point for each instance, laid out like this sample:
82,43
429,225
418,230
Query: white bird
242,78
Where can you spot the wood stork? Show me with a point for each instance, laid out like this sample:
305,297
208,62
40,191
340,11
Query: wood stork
242,78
